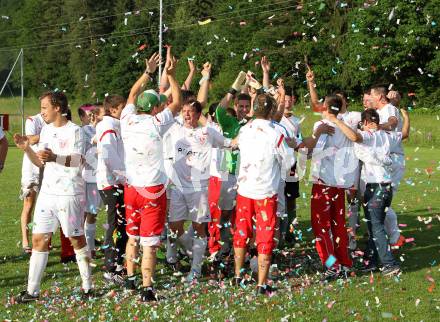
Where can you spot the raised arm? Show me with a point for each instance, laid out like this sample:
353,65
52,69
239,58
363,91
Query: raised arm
192,70
314,99
406,124
176,93
265,66
202,96
390,125
164,84
136,89
282,95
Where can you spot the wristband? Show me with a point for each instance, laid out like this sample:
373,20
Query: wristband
204,78
232,91
313,136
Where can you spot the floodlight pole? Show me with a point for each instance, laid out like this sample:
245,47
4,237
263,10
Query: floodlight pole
160,40
22,92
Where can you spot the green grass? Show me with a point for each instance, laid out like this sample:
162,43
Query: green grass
412,297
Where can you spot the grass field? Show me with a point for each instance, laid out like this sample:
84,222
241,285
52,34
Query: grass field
414,296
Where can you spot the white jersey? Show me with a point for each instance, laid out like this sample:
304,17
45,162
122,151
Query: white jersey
263,151
142,136
63,141
218,162
385,113
110,169
352,119
33,126
192,156
333,160
380,144
91,155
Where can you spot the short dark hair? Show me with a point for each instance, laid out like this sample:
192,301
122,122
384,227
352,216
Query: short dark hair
69,115
370,115
289,91
340,92
187,96
243,97
81,112
113,101
334,103
264,105
196,104
231,112
57,99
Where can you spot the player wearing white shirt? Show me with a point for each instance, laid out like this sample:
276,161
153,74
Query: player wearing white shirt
110,180
93,200
332,171
390,120
378,179
258,184
191,171
61,199
143,126
30,178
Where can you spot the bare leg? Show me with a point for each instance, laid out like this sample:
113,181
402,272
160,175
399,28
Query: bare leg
131,253
263,268
26,215
148,265
239,256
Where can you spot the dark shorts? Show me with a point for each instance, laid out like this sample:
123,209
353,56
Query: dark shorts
291,190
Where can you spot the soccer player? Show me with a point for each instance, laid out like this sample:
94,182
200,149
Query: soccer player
258,184
30,178
93,199
189,196
332,171
110,178
61,199
378,179
390,120
143,126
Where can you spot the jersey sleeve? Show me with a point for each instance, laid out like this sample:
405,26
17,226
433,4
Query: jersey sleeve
110,155
367,137
395,139
30,127
285,153
43,142
228,123
128,110
216,139
163,121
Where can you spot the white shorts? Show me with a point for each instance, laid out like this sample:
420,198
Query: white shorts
168,165
228,193
93,199
281,200
30,180
397,170
52,210
189,206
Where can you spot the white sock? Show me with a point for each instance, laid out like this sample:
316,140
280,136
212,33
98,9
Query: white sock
37,265
198,250
391,226
83,261
90,232
186,241
171,251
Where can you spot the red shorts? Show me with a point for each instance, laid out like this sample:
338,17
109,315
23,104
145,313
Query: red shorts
145,210
214,189
265,213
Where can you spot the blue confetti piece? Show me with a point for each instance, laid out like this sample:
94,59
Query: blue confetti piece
331,260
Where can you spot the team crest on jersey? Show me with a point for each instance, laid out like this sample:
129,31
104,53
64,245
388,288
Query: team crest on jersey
63,143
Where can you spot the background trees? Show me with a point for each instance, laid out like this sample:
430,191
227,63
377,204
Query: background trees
90,48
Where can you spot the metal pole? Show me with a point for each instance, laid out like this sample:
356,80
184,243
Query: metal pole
10,73
22,92
160,39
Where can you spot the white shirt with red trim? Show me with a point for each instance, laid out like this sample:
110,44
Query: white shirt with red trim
142,135
377,143
67,140
110,168
385,113
91,155
192,156
334,162
263,155
33,126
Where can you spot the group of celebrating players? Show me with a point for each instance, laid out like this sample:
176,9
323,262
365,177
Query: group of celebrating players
156,161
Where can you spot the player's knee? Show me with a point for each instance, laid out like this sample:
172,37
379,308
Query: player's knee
152,241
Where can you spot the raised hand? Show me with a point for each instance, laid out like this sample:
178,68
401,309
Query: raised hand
324,128
191,66
152,63
21,141
206,71
310,76
168,58
46,155
171,69
265,64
